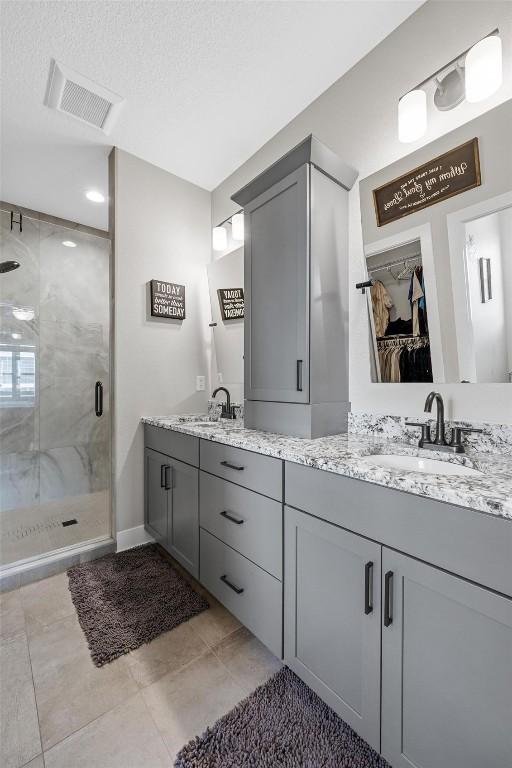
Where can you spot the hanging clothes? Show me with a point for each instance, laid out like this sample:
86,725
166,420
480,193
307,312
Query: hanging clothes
415,295
405,359
381,303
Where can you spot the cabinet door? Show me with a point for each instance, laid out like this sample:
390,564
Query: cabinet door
446,670
332,618
155,495
183,531
276,292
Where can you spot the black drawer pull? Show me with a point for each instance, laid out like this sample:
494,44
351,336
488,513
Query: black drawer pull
227,582
368,587
229,516
231,466
169,477
162,475
388,598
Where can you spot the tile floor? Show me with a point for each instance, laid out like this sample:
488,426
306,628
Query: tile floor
60,711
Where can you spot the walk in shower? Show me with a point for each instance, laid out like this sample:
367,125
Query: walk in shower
54,388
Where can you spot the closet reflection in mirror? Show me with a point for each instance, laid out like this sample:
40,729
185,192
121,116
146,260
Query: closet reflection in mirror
399,315
439,307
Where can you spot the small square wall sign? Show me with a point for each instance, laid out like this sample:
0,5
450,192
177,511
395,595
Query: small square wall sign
167,300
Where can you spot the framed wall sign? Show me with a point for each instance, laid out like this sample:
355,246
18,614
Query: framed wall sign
231,302
167,300
449,174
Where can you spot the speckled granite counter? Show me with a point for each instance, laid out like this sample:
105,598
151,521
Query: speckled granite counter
351,455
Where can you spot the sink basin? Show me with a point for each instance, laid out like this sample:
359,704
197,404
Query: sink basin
418,464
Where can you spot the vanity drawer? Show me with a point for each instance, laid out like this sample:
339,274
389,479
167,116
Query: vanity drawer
252,470
250,523
175,444
254,596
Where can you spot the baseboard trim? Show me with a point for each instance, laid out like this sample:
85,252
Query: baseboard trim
132,537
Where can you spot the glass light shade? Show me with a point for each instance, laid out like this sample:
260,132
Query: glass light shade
219,239
412,116
237,226
484,71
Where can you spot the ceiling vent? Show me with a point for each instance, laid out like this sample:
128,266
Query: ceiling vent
70,92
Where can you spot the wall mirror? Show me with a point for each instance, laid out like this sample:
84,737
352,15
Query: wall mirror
227,272
439,307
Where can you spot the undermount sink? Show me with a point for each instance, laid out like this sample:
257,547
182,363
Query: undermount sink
418,464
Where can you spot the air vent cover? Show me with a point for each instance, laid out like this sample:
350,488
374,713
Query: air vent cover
74,94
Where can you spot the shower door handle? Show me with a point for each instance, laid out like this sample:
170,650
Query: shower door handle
98,398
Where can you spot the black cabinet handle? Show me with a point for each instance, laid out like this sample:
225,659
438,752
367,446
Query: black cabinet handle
388,598
368,587
231,466
162,475
98,398
168,475
229,516
227,582
299,375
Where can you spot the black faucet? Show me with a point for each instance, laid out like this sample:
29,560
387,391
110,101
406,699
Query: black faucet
439,443
440,436
228,410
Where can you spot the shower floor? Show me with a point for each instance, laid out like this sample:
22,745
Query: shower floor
37,530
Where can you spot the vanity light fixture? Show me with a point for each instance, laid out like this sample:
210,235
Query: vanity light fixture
412,115
69,243
94,196
474,75
484,70
237,226
219,239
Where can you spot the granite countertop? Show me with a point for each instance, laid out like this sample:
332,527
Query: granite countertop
351,455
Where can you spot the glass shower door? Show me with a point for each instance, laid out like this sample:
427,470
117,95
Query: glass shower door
54,389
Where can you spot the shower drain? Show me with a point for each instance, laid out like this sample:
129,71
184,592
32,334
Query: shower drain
36,529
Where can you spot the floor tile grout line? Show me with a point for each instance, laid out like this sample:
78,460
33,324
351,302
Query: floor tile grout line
86,725
156,727
35,695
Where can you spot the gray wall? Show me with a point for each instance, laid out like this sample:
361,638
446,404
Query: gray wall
162,231
356,117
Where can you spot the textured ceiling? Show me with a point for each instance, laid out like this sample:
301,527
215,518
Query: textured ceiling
205,83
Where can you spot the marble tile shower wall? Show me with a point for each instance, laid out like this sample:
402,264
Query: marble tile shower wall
53,446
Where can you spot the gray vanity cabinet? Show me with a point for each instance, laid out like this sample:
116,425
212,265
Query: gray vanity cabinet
332,618
171,507
446,669
276,292
155,502
296,293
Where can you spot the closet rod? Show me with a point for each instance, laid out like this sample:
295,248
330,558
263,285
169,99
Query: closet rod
394,263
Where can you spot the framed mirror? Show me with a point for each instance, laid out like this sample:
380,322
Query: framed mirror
440,267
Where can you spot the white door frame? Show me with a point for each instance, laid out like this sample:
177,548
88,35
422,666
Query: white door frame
456,223
423,233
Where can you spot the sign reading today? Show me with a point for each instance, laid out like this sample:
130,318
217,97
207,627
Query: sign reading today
231,302
167,300
450,174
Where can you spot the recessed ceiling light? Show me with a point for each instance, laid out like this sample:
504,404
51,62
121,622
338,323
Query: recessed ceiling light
94,196
69,243
23,313
16,336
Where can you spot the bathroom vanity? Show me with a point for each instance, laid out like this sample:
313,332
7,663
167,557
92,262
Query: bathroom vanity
387,591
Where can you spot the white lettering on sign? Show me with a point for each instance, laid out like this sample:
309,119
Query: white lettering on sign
167,300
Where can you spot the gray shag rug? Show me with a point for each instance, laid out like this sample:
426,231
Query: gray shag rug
283,724
126,599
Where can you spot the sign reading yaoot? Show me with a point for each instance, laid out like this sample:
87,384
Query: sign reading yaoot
450,174
167,300
231,302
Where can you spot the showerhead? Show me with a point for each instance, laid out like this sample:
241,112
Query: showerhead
8,266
